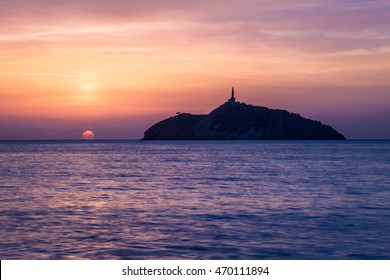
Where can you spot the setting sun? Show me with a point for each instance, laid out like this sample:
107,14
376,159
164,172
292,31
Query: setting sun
88,135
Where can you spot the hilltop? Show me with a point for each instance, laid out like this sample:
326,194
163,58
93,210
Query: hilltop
239,121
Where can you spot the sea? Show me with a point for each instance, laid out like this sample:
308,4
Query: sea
195,200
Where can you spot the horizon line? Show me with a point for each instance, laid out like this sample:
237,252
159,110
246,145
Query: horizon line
263,140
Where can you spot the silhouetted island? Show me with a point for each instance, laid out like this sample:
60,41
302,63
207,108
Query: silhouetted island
239,121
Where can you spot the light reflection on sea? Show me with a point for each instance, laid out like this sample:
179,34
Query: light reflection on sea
195,200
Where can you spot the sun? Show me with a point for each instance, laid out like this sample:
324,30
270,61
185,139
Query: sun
88,135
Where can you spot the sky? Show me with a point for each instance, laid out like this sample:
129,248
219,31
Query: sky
117,67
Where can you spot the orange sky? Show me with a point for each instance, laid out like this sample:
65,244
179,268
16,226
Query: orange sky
120,67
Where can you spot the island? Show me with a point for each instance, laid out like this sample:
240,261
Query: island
235,120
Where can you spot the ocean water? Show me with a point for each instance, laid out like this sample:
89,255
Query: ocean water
195,200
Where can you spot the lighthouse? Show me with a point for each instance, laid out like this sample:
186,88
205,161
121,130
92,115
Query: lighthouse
232,99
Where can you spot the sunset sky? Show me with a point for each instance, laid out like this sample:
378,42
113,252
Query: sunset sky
117,67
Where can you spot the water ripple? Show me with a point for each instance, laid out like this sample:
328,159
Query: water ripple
195,200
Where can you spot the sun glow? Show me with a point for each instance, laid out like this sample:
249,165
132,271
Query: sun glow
87,92
88,135
88,86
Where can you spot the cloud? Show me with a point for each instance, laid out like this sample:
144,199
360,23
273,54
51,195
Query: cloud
174,45
41,74
298,24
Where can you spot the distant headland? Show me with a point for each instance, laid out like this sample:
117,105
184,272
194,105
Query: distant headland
234,120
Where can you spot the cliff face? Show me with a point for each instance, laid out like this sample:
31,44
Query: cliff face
240,121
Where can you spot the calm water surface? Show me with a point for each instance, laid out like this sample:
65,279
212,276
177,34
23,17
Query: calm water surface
195,200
